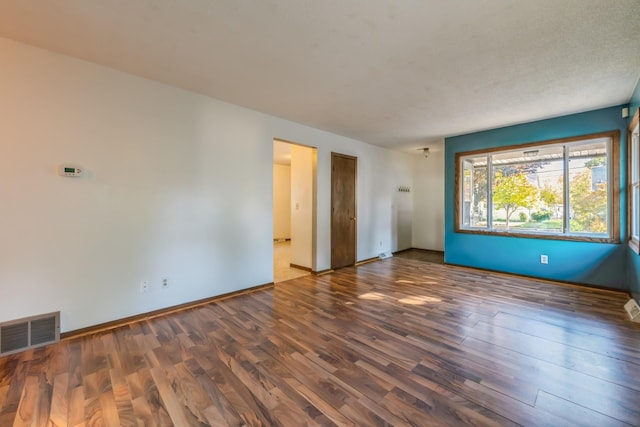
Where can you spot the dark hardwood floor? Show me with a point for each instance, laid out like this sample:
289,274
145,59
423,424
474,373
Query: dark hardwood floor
397,342
422,255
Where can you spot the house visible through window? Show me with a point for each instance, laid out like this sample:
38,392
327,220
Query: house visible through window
561,189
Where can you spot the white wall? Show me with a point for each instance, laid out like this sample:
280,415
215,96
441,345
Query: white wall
177,185
281,201
302,170
428,200
380,173
403,219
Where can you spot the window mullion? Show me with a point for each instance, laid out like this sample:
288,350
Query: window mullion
490,192
610,190
635,203
567,193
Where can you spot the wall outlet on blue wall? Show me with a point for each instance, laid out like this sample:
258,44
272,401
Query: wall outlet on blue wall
544,259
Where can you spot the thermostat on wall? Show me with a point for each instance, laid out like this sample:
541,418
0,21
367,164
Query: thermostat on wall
69,171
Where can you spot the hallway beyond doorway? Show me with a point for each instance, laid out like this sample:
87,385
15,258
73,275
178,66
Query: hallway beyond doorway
281,263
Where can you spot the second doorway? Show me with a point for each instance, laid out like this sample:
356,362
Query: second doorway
294,209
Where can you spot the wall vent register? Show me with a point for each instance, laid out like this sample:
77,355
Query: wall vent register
29,332
633,310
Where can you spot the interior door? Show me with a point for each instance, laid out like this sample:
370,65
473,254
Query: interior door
343,210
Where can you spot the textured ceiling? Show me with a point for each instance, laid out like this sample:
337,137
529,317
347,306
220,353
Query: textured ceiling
399,74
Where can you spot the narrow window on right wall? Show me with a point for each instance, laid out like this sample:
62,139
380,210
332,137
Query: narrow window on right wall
633,184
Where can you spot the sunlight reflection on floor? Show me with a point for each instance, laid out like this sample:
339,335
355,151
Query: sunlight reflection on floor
411,299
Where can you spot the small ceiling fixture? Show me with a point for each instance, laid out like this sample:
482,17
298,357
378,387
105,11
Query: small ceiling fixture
425,151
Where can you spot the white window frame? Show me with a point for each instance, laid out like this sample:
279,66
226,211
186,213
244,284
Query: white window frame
633,183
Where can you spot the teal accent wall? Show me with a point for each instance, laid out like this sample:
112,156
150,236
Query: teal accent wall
598,264
633,276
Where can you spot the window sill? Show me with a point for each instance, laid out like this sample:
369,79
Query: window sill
545,236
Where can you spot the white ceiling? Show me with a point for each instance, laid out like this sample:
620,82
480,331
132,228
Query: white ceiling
396,73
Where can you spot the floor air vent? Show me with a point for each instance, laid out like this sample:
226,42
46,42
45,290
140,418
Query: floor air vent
30,332
633,310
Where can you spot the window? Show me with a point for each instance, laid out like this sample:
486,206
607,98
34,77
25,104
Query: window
633,185
560,189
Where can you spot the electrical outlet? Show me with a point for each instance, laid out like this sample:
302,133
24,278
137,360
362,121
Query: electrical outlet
165,282
544,259
144,286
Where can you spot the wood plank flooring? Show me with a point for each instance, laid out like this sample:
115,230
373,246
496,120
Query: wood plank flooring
391,343
422,255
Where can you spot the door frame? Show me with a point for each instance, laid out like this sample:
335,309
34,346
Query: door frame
314,197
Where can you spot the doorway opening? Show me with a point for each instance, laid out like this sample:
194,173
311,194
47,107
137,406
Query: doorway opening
294,210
